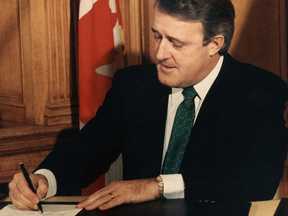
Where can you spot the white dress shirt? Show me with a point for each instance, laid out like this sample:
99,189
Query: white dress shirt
173,183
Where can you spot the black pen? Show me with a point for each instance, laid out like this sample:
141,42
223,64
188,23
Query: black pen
26,175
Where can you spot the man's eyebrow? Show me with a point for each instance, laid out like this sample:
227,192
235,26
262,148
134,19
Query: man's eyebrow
175,39
154,30
169,37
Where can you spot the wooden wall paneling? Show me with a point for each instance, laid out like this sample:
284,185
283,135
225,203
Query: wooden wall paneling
62,105
12,112
30,145
43,45
256,38
10,163
11,85
38,68
33,38
283,188
147,35
132,20
137,20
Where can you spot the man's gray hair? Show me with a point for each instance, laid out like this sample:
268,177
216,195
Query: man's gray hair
216,16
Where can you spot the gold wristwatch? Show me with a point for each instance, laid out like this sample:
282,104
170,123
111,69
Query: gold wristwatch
160,186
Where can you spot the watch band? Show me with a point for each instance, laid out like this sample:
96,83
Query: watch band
160,186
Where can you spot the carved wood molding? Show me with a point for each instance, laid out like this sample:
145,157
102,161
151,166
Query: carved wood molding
30,144
131,18
34,66
11,78
10,113
40,58
62,100
63,111
15,140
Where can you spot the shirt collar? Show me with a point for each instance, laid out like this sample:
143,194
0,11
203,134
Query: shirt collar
202,87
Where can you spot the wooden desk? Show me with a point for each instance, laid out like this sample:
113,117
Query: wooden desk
263,208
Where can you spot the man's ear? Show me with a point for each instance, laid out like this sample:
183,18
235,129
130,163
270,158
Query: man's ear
216,44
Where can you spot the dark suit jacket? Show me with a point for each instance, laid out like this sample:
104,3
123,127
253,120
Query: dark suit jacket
237,146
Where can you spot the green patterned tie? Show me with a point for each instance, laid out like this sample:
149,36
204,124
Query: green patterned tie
180,134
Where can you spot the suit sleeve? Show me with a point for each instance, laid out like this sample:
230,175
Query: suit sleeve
95,148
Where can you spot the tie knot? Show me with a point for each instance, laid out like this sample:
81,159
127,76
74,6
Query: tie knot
189,93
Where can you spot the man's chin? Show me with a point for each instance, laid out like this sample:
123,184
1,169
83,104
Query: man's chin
166,80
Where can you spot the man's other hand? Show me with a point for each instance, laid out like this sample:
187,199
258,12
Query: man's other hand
117,193
22,196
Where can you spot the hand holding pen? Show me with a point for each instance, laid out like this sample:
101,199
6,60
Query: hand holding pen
27,178
22,196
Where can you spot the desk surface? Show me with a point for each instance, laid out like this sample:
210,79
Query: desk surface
263,208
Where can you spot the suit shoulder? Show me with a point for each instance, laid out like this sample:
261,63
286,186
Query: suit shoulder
137,77
136,72
253,77
262,78
140,78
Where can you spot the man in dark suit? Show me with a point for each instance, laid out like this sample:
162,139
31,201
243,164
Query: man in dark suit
235,150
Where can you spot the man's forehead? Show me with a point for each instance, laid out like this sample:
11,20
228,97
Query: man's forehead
172,24
177,15
159,15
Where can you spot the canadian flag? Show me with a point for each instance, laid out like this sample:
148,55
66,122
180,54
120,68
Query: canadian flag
100,54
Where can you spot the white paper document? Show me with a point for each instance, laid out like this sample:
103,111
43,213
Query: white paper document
48,209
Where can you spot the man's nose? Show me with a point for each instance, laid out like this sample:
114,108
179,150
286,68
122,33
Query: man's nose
162,51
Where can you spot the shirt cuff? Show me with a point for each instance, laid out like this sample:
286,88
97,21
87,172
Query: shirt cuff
173,186
52,184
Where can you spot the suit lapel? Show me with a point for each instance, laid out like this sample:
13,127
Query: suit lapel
215,107
159,123
153,121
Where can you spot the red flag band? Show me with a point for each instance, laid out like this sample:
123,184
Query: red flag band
100,53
